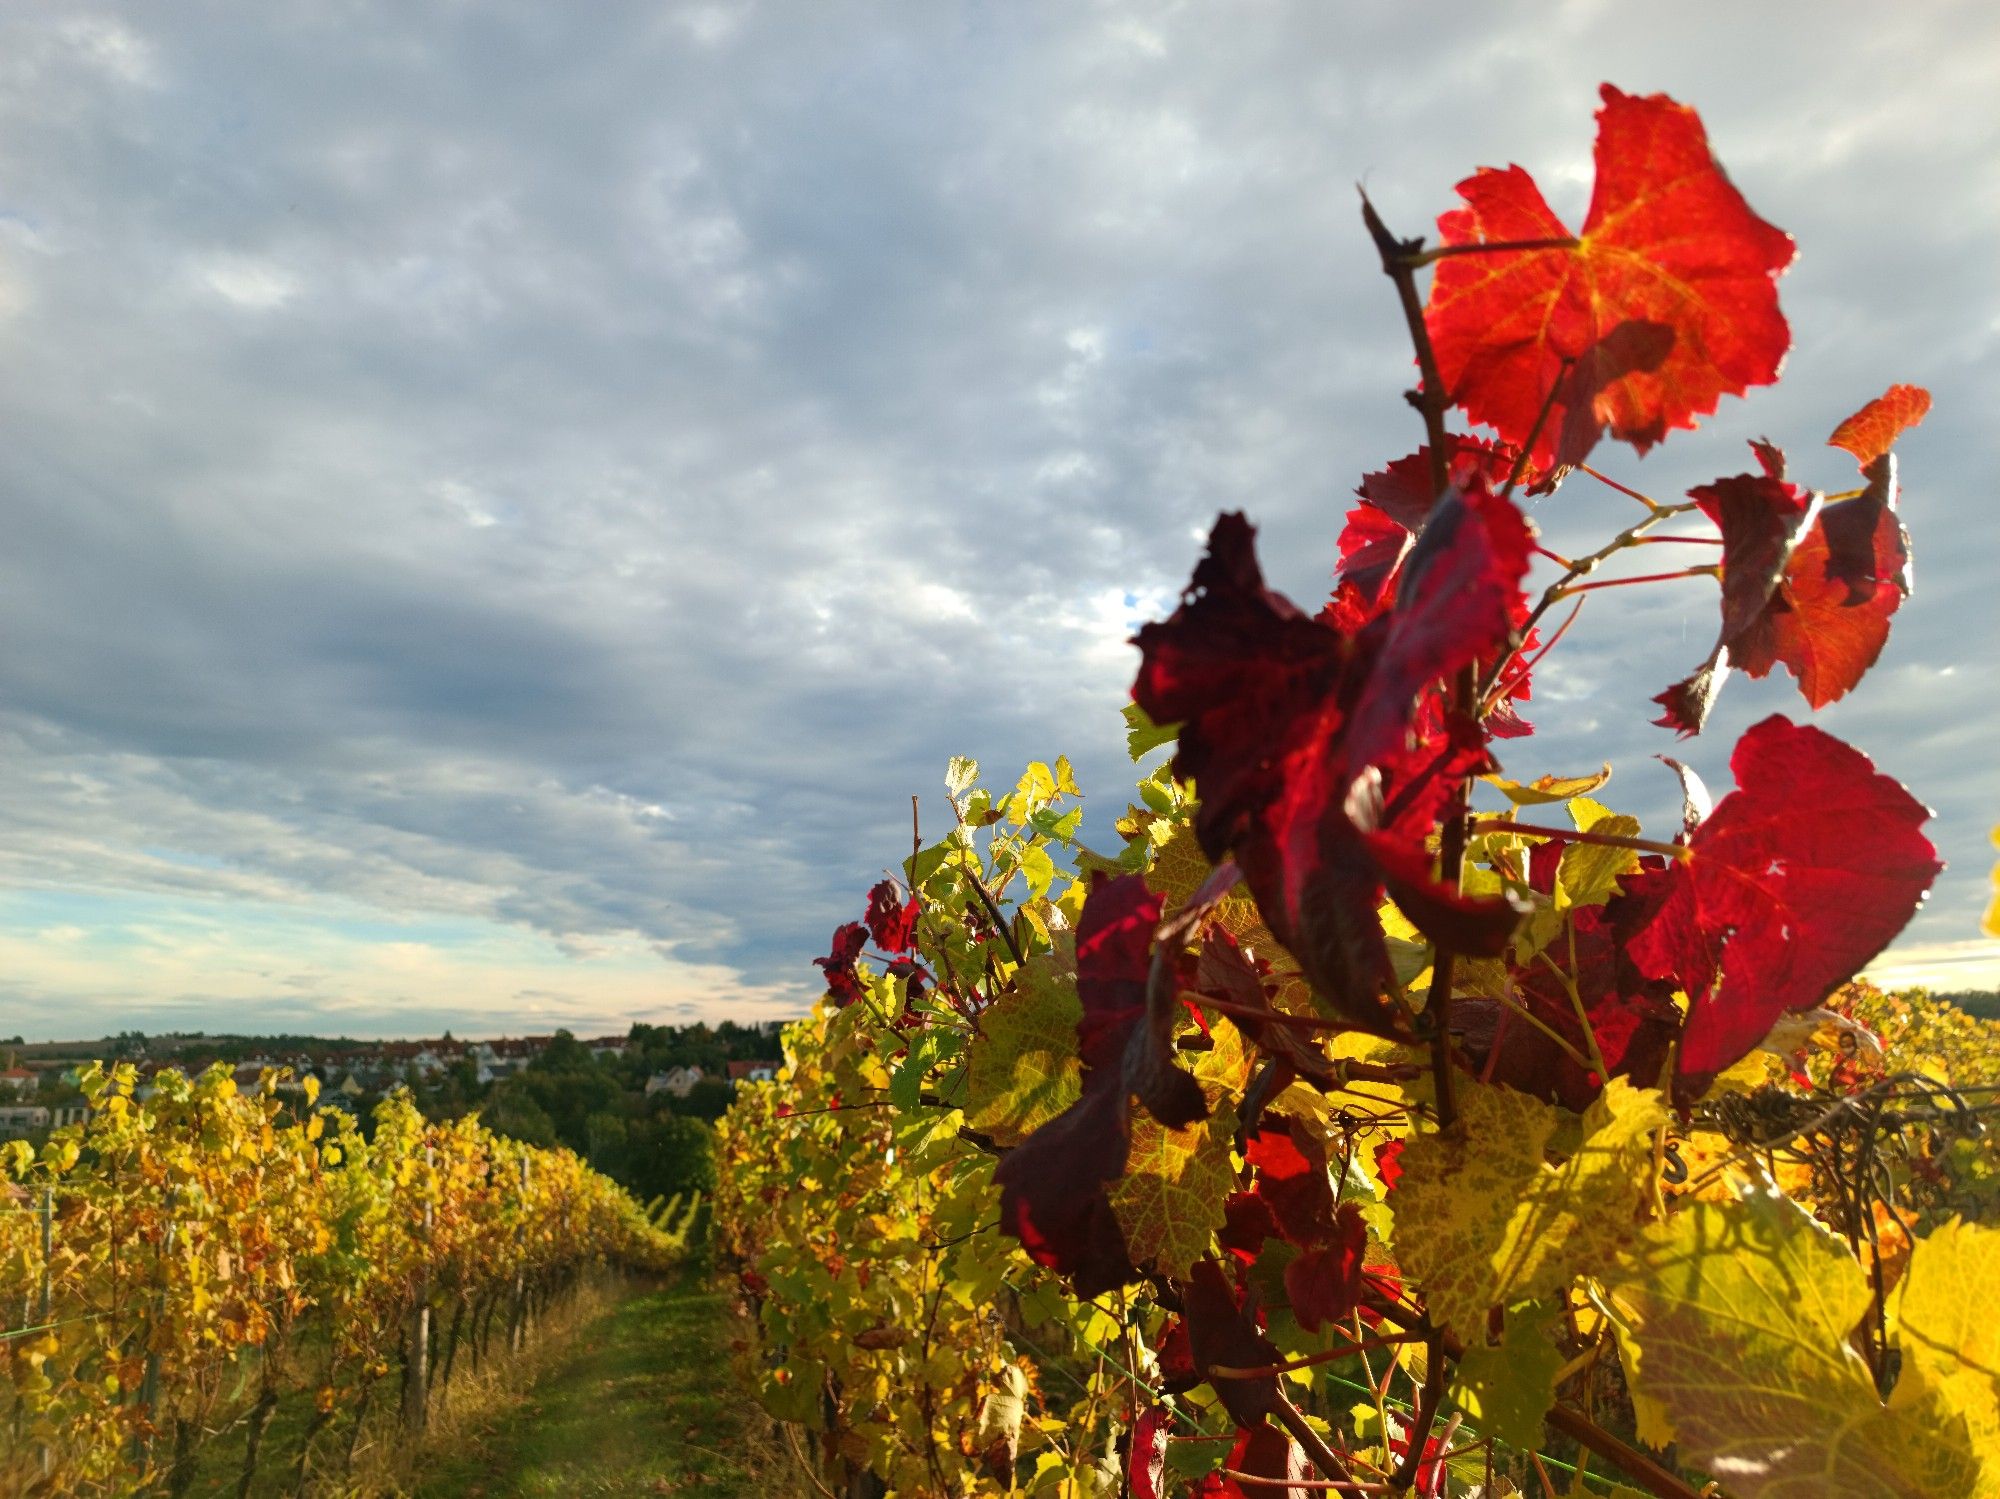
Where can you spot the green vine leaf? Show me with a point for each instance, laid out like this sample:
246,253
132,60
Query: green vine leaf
1507,1391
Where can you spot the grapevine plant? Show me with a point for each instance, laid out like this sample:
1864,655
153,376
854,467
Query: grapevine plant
177,1266
1375,1143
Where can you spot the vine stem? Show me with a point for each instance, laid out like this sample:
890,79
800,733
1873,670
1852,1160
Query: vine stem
1707,571
1557,591
1418,259
1625,489
1311,1485
1323,1457
1400,263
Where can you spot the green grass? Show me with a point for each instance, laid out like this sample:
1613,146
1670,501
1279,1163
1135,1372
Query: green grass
645,1402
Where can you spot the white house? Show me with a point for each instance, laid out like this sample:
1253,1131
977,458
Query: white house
677,1081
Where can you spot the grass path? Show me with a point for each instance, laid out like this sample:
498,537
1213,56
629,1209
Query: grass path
644,1403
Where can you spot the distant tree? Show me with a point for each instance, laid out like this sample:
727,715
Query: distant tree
708,1099
513,1113
564,1053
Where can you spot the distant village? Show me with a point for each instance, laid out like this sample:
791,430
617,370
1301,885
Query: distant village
38,1091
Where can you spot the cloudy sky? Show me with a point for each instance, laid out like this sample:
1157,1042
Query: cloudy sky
503,502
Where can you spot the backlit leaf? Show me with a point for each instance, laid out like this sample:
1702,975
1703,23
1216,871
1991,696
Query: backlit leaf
1668,302
1802,875
1950,1339
1483,1220
1026,1070
1733,1319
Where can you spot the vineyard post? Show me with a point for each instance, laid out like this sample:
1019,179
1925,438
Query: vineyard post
48,1247
149,1383
44,1456
417,1347
515,1329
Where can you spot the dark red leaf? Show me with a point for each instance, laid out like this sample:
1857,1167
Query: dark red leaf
1265,1451
1324,1284
1761,519
1632,1018
1052,1185
1052,1189
838,965
1257,688
1267,700
1221,1333
1668,302
1458,599
1114,950
1803,874
1176,1358
1247,1221
891,922
1854,557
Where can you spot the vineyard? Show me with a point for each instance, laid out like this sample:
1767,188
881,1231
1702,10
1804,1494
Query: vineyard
177,1268
1370,1120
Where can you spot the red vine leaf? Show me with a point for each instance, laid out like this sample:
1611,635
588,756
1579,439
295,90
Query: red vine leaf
1813,628
1458,599
1854,554
1668,302
1761,519
1146,1464
1052,1185
891,922
1300,734
1873,430
1632,1020
1324,1284
1221,1333
1292,1179
1264,1451
838,965
1802,875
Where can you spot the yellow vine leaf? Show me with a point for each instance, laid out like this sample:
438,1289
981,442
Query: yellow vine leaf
1025,1070
1179,868
1550,788
1993,911
1733,1321
1170,1201
1950,1338
1588,874
1482,1218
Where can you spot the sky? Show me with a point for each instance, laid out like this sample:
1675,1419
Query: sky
502,503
